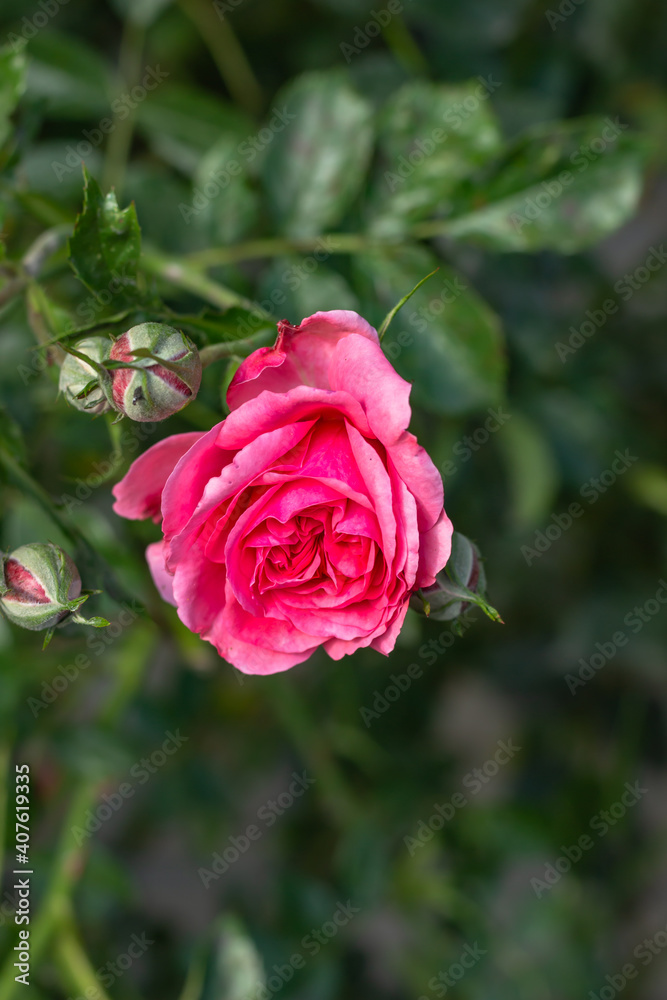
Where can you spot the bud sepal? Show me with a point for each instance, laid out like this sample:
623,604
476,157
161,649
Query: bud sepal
461,583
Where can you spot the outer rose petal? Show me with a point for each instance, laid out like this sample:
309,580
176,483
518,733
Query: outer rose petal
199,590
139,493
435,549
416,469
359,367
163,580
300,356
193,473
386,642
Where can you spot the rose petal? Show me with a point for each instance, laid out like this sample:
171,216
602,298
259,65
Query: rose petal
192,474
300,356
199,590
139,493
271,410
359,367
435,549
258,645
385,643
378,484
163,580
421,477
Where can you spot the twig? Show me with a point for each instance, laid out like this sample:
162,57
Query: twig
231,60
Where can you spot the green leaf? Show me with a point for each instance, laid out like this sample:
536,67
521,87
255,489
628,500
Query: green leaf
12,85
11,438
431,137
49,320
532,470
560,187
234,969
647,482
318,153
224,204
71,76
141,12
104,249
450,346
296,291
182,123
221,328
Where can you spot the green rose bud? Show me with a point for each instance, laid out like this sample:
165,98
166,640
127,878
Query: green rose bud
164,376
460,584
80,383
40,588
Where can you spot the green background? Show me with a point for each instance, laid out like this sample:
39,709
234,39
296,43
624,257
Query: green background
527,283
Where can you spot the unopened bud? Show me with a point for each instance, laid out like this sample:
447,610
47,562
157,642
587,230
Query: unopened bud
80,382
40,587
163,373
461,583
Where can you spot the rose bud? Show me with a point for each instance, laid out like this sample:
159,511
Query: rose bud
164,372
461,583
40,588
80,383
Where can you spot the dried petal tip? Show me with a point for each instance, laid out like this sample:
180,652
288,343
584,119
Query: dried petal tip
163,373
40,587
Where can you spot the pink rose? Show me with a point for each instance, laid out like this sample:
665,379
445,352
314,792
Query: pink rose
306,518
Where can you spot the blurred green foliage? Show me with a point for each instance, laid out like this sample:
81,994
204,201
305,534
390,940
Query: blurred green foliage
536,353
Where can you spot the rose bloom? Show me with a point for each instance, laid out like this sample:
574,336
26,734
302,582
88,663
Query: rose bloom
308,516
